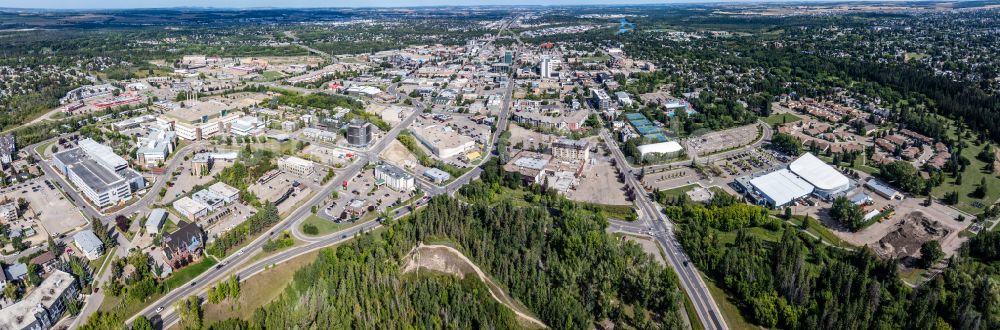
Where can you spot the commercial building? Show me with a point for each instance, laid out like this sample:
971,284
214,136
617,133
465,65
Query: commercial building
804,176
443,141
296,166
394,177
227,192
103,177
779,188
42,307
155,221
571,149
201,164
132,122
436,175
210,199
89,244
359,133
289,126
827,180
155,147
623,99
191,208
319,135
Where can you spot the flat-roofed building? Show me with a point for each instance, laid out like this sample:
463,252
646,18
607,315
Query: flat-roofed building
571,149
191,208
155,147
296,166
437,175
202,120
359,133
247,126
443,141
781,187
103,177
209,198
228,193
600,99
394,177
42,307
827,180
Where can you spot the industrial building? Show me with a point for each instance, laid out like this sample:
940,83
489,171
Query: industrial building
359,133
296,166
155,147
103,177
394,177
827,180
780,187
227,192
42,307
443,141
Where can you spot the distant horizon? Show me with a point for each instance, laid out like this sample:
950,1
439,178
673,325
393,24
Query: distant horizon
319,4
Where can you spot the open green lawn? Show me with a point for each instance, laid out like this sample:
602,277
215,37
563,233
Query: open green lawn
729,311
909,56
325,226
679,191
188,273
272,75
971,178
781,118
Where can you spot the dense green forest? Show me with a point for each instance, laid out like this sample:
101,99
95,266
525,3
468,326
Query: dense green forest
554,257
782,278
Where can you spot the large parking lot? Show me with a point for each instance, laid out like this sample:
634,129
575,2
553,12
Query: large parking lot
748,162
180,184
362,187
723,140
54,212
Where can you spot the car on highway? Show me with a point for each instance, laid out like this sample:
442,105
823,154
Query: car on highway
159,309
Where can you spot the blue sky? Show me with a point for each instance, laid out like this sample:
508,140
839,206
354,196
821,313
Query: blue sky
98,4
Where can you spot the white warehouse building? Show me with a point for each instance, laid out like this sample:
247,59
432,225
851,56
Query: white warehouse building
101,175
827,180
804,176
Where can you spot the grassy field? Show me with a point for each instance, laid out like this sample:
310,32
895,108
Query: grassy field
781,118
818,229
258,290
272,75
188,273
324,226
679,191
971,178
914,56
729,311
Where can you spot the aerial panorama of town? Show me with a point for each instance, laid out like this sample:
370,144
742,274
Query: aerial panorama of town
801,165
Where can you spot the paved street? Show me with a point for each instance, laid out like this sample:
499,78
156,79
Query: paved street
658,226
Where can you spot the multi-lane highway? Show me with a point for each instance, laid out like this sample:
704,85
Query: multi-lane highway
656,224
